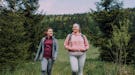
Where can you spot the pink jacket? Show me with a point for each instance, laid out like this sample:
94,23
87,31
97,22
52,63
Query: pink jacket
77,42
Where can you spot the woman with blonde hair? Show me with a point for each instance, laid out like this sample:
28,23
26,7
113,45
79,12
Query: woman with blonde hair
77,44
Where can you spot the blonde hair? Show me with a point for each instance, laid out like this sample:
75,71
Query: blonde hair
76,24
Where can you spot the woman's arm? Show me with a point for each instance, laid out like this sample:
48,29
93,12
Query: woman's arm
86,43
66,42
56,49
38,51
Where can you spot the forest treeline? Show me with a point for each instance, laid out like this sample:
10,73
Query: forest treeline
110,27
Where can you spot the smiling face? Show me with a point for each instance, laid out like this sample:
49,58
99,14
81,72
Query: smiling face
76,28
49,32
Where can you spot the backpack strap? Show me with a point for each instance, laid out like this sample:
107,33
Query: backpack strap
83,36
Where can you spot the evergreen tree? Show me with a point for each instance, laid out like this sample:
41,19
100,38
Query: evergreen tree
13,47
119,43
114,25
20,32
31,22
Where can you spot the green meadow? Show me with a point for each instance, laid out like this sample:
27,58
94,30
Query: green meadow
93,65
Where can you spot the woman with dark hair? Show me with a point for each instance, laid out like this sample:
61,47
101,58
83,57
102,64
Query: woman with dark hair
77,45
47,52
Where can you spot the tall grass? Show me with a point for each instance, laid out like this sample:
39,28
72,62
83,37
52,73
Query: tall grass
93,65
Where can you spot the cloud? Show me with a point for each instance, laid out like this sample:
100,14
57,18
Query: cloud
46,5
72,6
66,6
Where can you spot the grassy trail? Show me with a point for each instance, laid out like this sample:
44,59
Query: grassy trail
93,65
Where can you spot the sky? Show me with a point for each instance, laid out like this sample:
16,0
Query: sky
55,7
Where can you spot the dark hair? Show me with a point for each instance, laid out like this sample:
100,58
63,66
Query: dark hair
46,29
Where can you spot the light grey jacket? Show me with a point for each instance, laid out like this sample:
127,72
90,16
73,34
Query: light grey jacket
40,51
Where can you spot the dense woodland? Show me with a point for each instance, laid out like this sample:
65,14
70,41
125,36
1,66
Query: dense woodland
110,27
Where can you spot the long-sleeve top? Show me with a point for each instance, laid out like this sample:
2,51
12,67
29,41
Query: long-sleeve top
76,42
